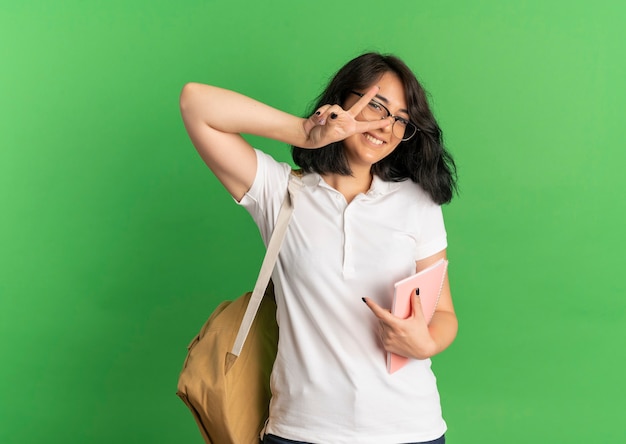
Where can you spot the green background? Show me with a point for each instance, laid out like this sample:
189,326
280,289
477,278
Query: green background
116,242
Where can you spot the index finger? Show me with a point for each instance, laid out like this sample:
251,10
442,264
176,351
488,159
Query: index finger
363,126
379,312
363,101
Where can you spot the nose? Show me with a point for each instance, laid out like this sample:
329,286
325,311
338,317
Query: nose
389,127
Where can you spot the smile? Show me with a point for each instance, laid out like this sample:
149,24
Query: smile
374,140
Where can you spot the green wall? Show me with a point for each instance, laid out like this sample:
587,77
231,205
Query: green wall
116,242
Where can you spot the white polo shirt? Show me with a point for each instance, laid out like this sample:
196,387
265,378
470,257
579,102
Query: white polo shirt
330,382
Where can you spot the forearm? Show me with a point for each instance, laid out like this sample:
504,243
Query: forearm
443,329
230,112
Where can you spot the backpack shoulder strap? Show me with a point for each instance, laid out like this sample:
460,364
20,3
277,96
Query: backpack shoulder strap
271,255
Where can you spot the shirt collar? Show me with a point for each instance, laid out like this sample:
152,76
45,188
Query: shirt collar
379,187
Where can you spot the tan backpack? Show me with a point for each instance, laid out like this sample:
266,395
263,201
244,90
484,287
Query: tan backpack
225,377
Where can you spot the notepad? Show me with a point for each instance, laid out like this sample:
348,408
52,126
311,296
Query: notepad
430,282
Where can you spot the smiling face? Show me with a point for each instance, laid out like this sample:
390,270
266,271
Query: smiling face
364,150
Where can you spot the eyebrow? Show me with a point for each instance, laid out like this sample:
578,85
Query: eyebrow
384,99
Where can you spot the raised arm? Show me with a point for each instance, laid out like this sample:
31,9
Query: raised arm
215,118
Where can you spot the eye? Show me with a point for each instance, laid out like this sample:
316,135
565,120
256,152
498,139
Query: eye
402,121
375,106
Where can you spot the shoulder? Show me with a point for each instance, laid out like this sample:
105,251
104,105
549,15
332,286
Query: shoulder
269,182
269,164
417,206
412,193
270,170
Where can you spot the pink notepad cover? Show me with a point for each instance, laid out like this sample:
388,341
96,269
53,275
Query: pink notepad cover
430,282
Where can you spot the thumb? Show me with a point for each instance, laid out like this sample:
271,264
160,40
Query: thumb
416,303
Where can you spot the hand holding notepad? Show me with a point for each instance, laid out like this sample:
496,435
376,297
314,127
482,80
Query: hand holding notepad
429,282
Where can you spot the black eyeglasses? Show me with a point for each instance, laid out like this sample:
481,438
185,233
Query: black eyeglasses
401,128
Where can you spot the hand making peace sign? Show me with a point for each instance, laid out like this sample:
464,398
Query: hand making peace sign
331,123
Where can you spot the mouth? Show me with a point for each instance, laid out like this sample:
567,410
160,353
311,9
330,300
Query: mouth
373,139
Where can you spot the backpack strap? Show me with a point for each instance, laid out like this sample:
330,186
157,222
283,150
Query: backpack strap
271,255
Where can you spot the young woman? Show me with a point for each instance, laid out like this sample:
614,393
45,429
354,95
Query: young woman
375,175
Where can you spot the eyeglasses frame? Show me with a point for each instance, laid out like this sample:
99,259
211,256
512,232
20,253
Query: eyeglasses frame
395,118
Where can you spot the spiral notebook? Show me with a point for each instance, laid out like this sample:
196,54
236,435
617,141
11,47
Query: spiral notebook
430,282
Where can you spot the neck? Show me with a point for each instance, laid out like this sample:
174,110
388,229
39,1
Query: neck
350,186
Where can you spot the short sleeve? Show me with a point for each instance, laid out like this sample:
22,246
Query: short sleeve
432,231
264,198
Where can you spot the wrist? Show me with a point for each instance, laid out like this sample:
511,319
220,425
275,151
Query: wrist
306,126
425,349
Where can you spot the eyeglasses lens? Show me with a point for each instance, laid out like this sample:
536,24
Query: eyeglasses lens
401,128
